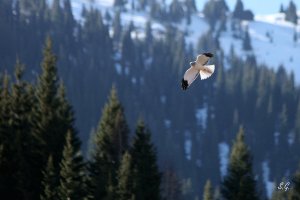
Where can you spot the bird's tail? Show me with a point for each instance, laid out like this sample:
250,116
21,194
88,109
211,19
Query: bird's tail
207,71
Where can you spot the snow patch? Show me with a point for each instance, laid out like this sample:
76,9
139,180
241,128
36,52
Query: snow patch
163,99
188,145
224,157
276,136
167,123
291,138
133,80
201,116
266,174
118,68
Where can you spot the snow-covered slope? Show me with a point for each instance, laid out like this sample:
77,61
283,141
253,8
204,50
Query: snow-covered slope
272,42
271,36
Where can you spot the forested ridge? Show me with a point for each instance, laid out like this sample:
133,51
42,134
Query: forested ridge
41,131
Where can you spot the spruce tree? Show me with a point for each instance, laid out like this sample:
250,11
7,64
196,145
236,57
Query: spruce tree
49,182
247,42
71,171
117,27
208,191
281,9
125,183
146,176
8,181
22,141
291,13
238,9
295,191
110,142
119,3
53,114
239,182
16,169
45,110
171,186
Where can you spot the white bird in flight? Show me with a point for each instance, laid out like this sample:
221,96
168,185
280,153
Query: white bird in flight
198,67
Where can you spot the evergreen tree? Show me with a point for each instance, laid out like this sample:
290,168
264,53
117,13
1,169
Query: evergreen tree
17,173
176,11
119,3
281,9
117,27
53,113
191,5
110,142
247,42
143,4
8,182
146,177
71,171
208,191
47,103
49,182
239,182
125,183
238,9
171,187
295,36
21,113
240,13
128,48
214,10
108,17
297,123
295,191
291,13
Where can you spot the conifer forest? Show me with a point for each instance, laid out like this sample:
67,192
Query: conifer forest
91,107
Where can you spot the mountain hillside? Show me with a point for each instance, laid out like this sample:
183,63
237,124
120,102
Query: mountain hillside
271,35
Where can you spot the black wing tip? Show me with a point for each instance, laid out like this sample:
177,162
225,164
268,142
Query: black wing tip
210,55
184,84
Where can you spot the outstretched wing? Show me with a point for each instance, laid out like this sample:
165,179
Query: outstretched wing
202,59
190,75
207,71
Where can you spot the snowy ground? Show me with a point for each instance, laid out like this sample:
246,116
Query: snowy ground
278,48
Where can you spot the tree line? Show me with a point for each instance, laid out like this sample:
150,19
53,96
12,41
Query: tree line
40,151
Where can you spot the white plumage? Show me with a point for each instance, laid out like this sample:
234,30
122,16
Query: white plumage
197,68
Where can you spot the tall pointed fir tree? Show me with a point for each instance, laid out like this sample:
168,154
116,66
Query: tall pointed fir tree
146,176
110,141
117,27
239,182
238,9
247,41
53,111
53,116
49,182
71,184
125,183
208,191
291,13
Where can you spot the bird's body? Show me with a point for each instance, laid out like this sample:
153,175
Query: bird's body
197,68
